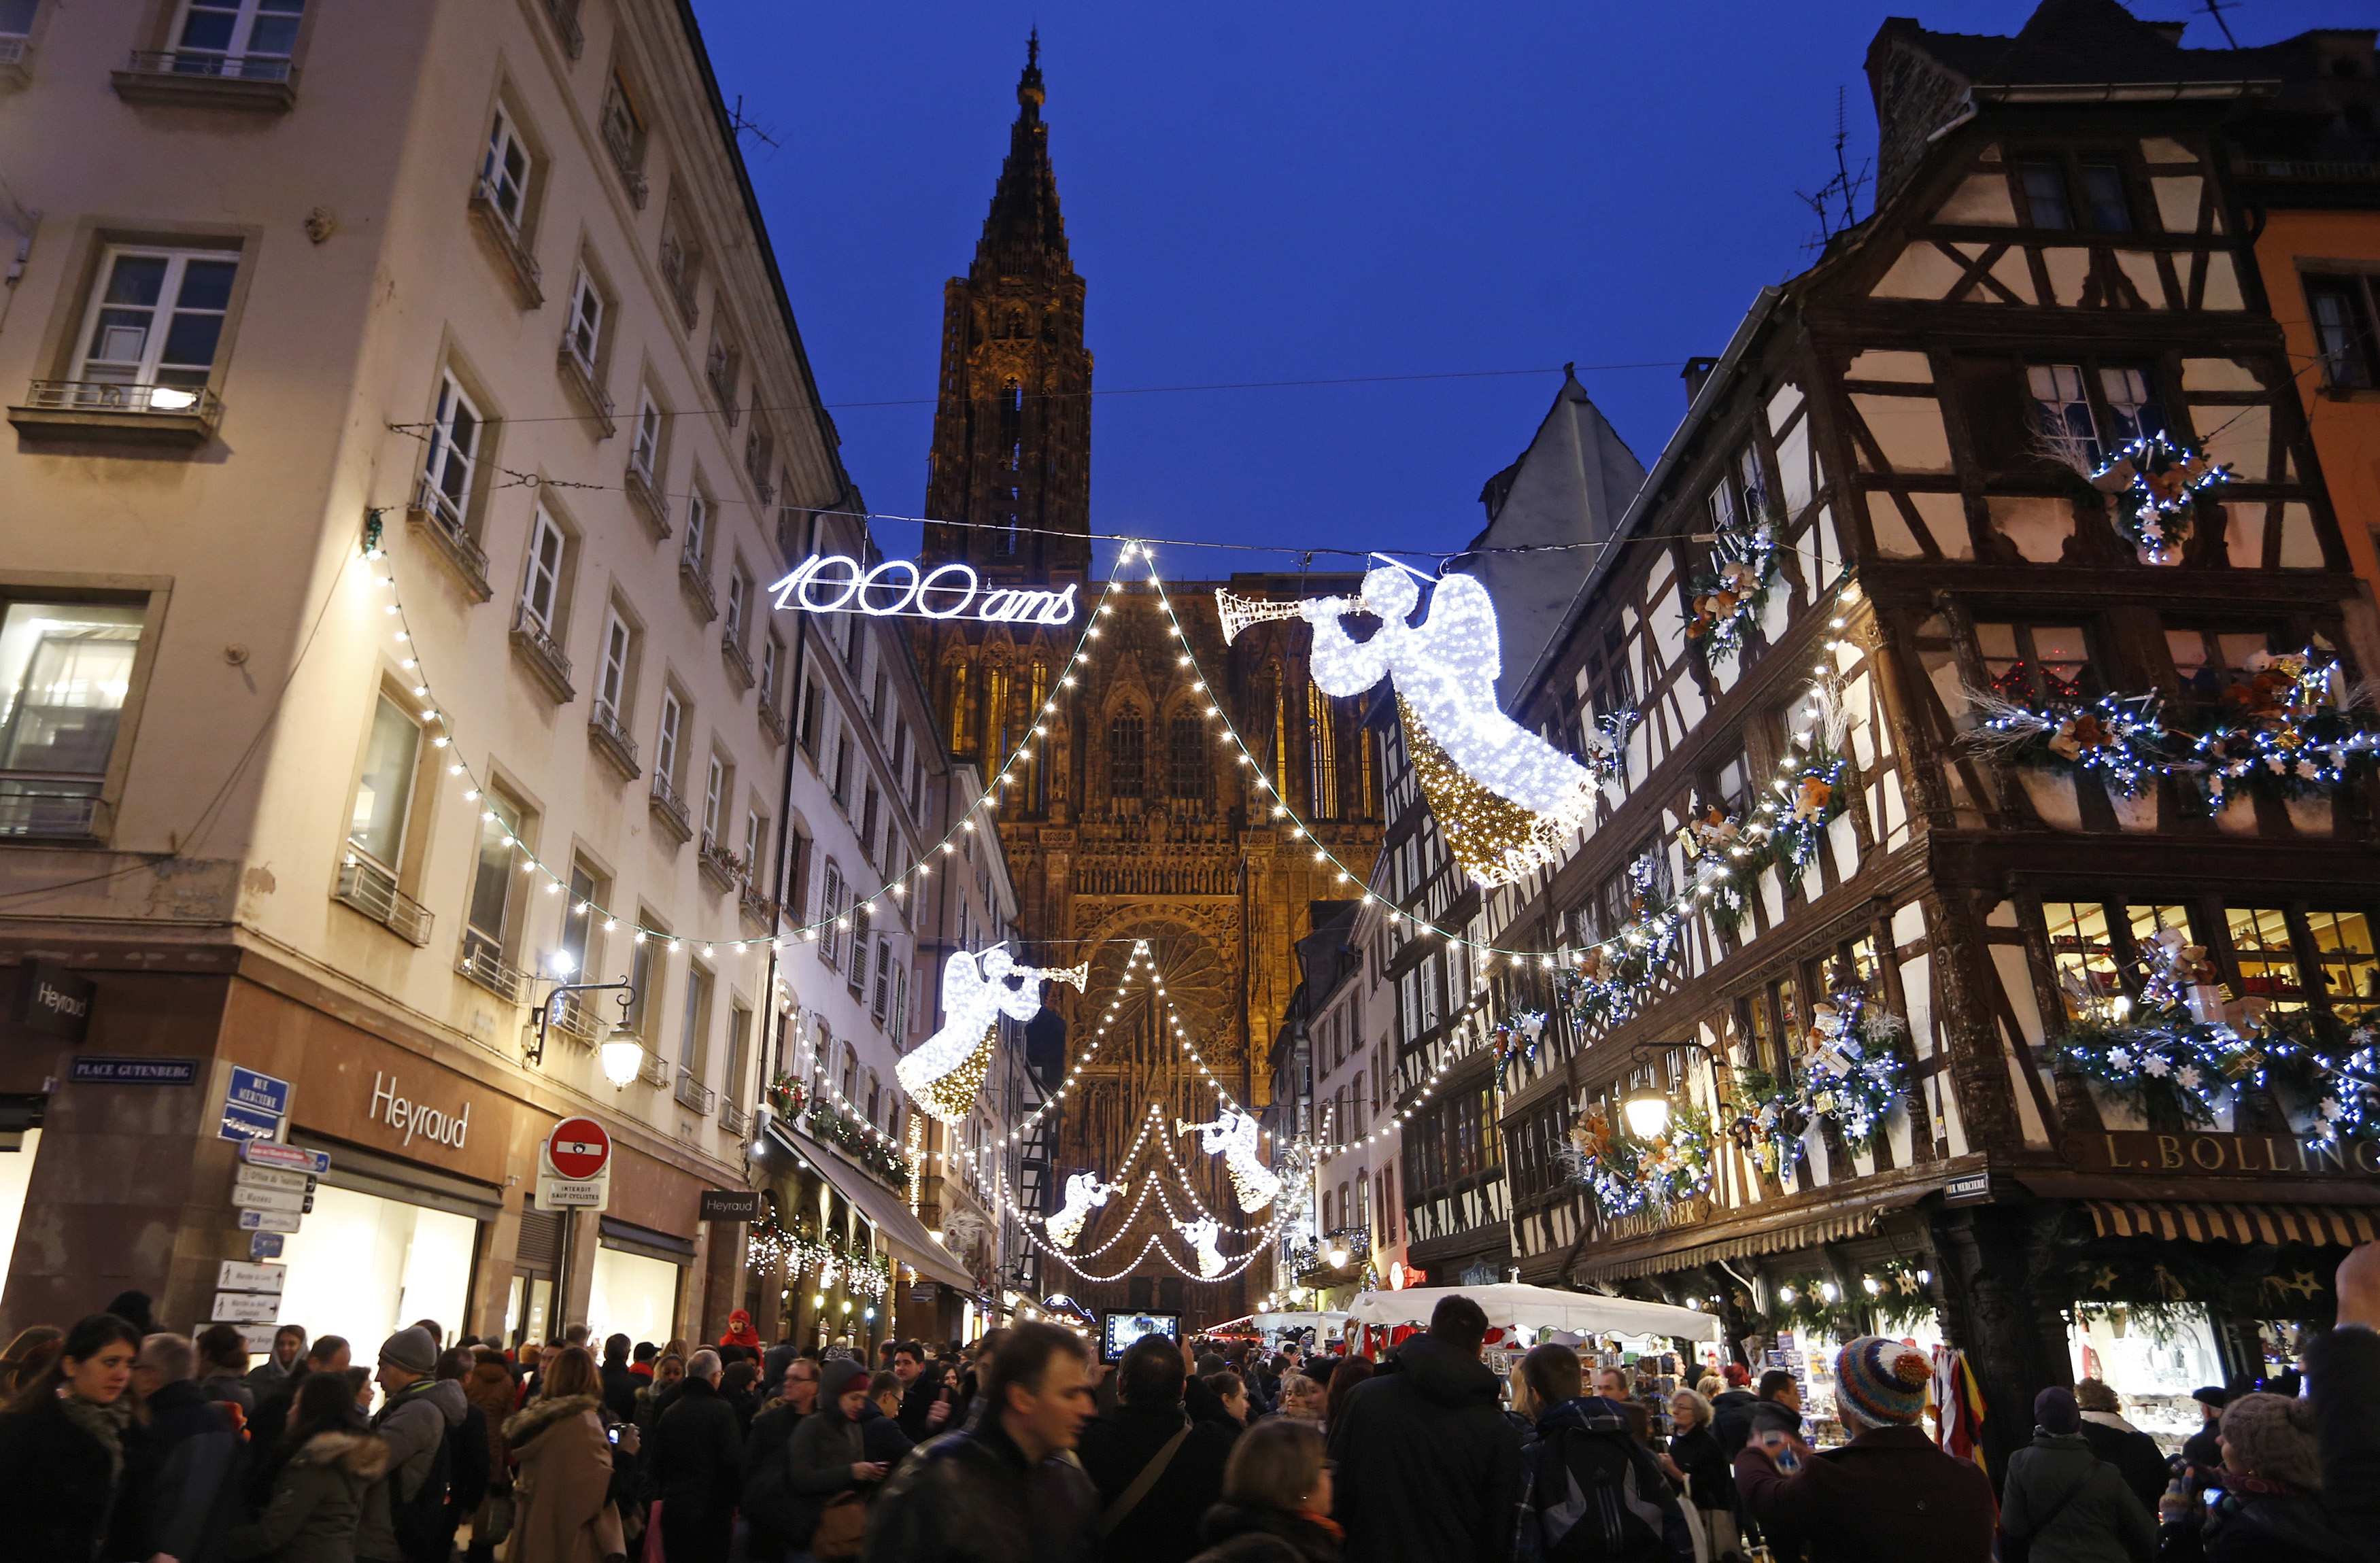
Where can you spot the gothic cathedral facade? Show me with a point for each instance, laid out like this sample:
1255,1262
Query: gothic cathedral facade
1133,817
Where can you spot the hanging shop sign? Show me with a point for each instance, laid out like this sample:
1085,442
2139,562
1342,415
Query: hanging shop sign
254,1106
895,589
730,1204
57,1002
97,1069
434,1125
2147,1150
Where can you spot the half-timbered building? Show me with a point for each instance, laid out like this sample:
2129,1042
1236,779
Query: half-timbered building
1891,463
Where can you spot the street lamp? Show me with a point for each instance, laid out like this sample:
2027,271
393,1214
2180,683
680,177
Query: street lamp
1647,1111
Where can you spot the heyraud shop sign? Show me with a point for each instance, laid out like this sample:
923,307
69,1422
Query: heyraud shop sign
418,1118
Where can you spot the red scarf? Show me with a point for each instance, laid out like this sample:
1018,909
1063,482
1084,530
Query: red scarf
1324,1523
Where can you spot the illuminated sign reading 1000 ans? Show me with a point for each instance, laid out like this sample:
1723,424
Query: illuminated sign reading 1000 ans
835,583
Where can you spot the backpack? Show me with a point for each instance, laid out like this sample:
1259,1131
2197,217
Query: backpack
1598,1499
425,1531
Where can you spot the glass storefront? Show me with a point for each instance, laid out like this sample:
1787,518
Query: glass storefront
634,1295
15,1173
363,1267
2153,1359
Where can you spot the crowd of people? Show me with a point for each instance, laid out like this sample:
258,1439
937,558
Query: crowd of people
123,1443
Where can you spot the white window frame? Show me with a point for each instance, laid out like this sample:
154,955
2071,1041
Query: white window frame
150,363
404,820
770,649
645,445
697,524
501,134
245,15
445,454
619,649
585,320
665,740
755,827
740,596
542,580
714,789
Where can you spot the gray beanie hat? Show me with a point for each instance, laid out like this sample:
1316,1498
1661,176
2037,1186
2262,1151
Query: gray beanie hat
412,1350
2272,1436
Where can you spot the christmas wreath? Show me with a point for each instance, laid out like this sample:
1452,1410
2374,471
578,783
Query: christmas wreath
1798,818
1628,1175
1728,597
2155,488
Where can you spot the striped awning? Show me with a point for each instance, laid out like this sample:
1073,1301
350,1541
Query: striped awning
2323,1225
1831,1227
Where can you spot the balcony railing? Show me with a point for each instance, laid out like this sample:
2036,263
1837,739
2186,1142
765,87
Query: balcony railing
678,270
610,735
719,373
772,722
371,890
756,906
627,159
693,574
733,1119
650,502
440,519
576,1019
482,959
38,807
266,83
693,1095
579,373
738,661
521,267
762,487
719,863
654,1071
564,16
181,415
670,809
533,640
12,52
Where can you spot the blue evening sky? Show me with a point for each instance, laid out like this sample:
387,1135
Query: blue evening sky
1281,193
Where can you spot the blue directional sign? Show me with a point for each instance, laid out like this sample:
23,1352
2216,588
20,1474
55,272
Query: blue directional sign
254,1106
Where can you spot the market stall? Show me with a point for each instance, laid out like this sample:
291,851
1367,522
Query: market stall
1518,1314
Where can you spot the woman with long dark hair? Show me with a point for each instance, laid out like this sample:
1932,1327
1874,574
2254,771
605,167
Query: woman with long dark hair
324,1464
28,1357
62,1446
1349,1373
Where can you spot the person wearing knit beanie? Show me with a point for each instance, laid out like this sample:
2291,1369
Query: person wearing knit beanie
1881,1382
839,1379
411,1350
2057,1411
2271,1438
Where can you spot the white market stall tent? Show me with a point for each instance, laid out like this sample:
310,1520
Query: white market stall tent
1326,1326
1510,1306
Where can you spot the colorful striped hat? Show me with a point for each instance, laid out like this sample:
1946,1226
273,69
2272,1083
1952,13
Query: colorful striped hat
1882,1381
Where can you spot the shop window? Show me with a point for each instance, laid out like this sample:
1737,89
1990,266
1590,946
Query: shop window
363,1266
490,937
2081,958
2267,955
633,1294
2343,958
2038,664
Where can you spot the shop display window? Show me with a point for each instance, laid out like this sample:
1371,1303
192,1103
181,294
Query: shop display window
2153,1362
633,1295
16,1174
2082,958
363,1267
2343,958
2268,962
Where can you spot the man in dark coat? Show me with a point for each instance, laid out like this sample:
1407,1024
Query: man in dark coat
620,1380
925,1407
1888,1494
327,1354
1149,1424
194,1453
1429,1468
880,1425
698,1467
1000,1490
2133,1453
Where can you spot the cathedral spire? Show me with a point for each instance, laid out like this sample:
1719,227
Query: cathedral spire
1022,233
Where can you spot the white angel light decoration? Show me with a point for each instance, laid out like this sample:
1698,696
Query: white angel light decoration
943,1076
1505,798
1084,1193
1201,1235
1234,1137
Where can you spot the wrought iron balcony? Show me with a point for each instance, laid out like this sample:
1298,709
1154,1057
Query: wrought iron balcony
695,577
114,410
564,16
610,736
585,383
482,960
265,83
38,807
506,242
576,1020
371,890
678,270
693,1095
733,1119
654,1071
772,722
720,371
440,519
757,907
645,494
738,661
669,810
534,644
719,863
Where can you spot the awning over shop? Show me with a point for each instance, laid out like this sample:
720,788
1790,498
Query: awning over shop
1833,1226
2327,1226
880,1205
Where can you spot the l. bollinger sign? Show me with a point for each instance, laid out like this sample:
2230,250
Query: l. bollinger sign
837,583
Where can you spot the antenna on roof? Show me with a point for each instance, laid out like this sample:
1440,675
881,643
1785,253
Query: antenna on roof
1836,202
752,127
2216,8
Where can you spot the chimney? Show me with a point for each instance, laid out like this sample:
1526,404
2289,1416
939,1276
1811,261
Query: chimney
1694,374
